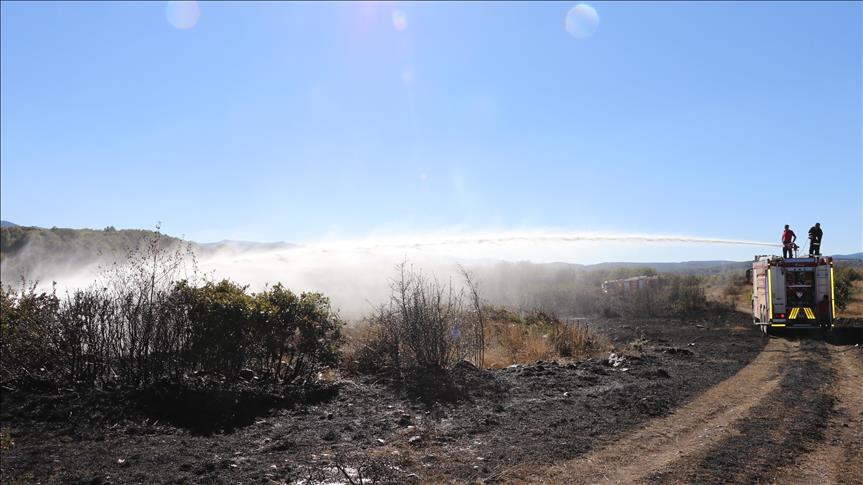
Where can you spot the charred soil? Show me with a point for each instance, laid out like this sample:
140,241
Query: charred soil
462,425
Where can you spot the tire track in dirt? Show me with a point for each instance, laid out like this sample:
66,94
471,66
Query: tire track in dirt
787,424
839,458
688,431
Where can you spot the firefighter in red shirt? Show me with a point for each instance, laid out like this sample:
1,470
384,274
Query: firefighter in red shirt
788,238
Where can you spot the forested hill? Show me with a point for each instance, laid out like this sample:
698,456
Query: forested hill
28,251
60,240
37,253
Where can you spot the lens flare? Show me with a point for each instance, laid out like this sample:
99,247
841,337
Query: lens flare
582,21
400,20
183,14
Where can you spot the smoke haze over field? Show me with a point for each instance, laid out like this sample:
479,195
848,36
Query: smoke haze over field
356,273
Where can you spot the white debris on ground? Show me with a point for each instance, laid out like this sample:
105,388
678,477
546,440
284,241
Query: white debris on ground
615,360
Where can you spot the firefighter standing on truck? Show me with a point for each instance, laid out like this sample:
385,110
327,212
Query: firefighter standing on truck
815,239
788,238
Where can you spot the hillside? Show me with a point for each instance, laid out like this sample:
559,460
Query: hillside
13,239
41,254
28,251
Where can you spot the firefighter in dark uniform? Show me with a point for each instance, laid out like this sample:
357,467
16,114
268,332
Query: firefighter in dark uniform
815,239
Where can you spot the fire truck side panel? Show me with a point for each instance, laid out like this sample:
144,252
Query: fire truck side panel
759,292
822,283
777,287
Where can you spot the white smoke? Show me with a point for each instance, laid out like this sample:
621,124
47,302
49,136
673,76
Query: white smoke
356,273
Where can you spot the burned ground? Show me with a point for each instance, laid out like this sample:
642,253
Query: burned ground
468,425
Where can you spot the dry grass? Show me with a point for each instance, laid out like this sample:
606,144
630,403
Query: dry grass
855,306
513,343
515,339
734,293
511,338
6,441
355,337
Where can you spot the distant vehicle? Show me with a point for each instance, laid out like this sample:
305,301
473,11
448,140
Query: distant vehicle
626,285
792,292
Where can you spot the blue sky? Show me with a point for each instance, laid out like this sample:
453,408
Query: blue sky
301,121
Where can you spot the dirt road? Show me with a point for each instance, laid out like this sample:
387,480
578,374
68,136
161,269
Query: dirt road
793,415
839,457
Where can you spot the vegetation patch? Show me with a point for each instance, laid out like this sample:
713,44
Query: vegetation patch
145,324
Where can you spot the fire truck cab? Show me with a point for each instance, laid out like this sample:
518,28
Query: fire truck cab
792,292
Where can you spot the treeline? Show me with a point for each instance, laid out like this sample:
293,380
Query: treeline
61,240
42,254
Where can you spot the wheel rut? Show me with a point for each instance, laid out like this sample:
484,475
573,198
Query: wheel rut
838,458
688,431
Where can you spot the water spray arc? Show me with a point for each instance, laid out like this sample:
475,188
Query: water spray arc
424,242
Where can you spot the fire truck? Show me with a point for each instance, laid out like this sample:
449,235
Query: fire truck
792,292
626,285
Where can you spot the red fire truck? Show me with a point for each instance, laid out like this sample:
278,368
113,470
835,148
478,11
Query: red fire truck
792,292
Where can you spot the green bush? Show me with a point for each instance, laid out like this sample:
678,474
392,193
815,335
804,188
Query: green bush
27,330
843,286
685,295
220,317
294,335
